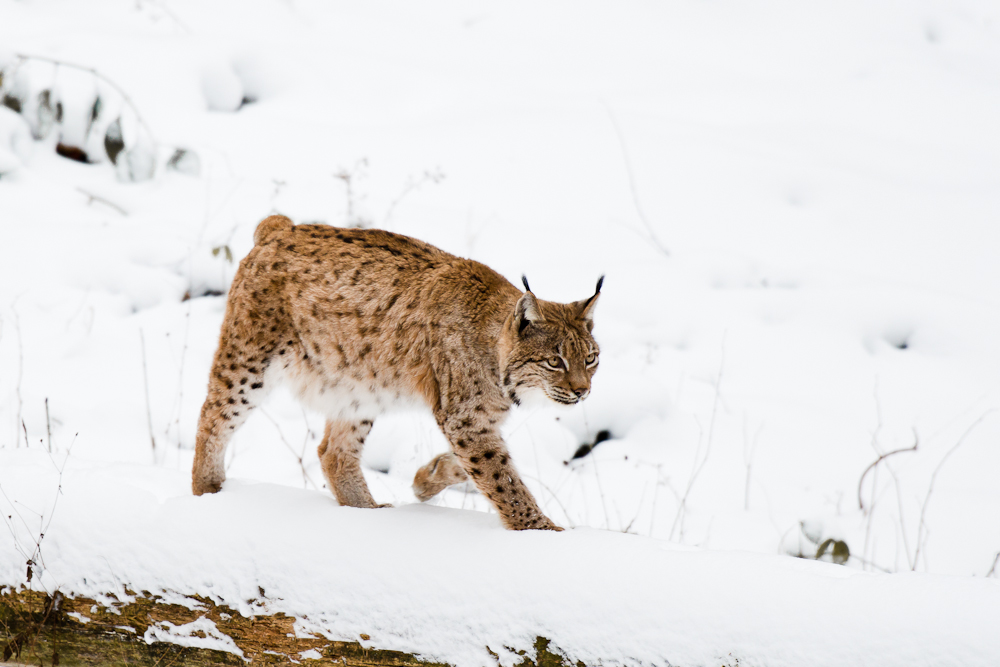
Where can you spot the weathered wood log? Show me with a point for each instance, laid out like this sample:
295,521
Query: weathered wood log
42,629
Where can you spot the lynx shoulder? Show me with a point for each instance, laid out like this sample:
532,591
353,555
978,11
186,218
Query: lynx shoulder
361,321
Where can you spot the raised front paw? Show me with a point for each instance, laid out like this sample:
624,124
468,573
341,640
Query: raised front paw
441,472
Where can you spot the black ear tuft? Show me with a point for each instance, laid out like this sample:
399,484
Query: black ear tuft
600,281
524,279
526,311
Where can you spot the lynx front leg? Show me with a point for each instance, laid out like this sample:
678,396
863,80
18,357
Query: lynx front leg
483,456
340,456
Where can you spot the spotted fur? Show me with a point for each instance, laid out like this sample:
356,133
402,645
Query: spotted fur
359,322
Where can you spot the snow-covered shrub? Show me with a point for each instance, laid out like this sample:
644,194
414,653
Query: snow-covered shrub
95,119
15,141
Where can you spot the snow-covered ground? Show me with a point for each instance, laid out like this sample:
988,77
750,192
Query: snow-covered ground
797,206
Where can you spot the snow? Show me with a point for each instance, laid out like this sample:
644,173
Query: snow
447,583
822,177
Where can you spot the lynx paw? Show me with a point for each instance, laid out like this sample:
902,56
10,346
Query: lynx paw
203,486
548,525
441,472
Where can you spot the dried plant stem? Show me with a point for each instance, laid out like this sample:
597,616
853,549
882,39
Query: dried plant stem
300,457
91,198
411,185
20,375
180,376
48,424
650,234
748,454
699,466
569,519
882,457
922,525
145,386
993,568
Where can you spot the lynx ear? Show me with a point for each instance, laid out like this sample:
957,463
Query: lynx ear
526,311
586,307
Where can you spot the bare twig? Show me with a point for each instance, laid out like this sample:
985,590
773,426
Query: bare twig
20,374
176,423
145,386
597,476
348,177
638,509
993,568
922,525
48,423
882,457
748,454
91,198
651,235
569,519
869,564
306,479
34,558
173,17
412,184
656,498
708,447
874,445
902,519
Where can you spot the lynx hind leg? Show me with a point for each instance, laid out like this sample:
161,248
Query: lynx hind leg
340,456
441,472
235,388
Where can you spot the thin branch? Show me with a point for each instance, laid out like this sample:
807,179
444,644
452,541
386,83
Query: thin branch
651,235
868,563
638,508
176,423
921,526
708,447
299,457
411,185
145,386
902,519
48,423
20,374
994,567
569,519
91,198
748,460
882,457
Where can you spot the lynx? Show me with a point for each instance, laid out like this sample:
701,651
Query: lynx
361,321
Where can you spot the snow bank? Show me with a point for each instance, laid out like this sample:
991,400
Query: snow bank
451,585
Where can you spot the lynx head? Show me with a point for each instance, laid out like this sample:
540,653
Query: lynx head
548,346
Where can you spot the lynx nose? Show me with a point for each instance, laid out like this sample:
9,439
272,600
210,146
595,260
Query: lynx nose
579,391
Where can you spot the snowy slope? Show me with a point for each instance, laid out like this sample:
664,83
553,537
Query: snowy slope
452,586
795,204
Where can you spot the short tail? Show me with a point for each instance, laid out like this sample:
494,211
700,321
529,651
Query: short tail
270,227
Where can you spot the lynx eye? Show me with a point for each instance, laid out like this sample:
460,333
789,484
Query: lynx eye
591,359
554,362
